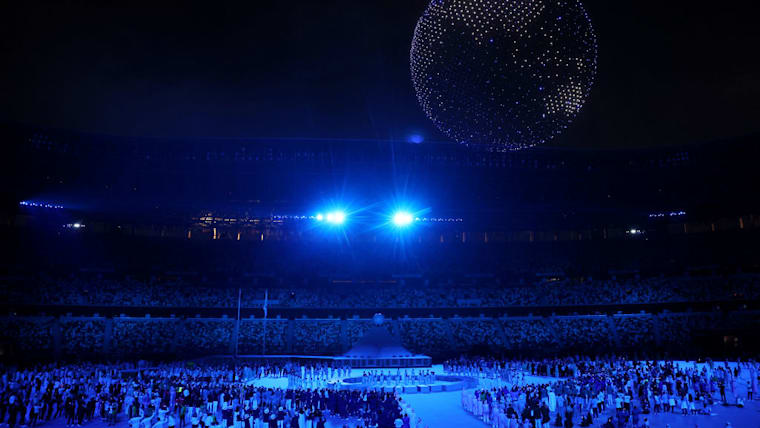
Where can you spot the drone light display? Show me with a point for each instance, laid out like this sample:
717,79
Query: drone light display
505,74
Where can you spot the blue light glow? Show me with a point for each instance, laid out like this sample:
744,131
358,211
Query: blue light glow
402,219
416,138
336,217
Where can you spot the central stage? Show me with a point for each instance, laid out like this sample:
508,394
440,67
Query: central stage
442,383
356,362
378,348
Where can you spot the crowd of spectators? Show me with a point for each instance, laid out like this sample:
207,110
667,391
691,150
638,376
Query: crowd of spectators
95,290
478,332
563,392
616,391
83,335
436,337
427,336
149,337
526,334
679,329
183,394
636,331
34,333
317,337
263,337
583,333
208,336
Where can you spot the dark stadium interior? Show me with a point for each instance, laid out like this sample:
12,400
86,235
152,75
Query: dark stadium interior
310,215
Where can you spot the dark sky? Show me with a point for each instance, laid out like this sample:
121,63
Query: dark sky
670,71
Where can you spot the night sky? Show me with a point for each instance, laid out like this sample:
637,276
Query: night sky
670,72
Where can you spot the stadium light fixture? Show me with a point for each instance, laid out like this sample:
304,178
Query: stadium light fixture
336,217
402,219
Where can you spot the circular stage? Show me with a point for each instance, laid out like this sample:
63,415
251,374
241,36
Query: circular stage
442,383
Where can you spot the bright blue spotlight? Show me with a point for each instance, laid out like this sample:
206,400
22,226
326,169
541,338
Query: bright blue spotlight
320,217
336,217
402,219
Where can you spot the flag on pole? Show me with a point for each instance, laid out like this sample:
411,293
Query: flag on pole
266,299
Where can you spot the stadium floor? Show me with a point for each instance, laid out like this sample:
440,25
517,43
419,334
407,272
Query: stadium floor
444,410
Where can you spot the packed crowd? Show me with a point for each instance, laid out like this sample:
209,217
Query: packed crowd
436,337
426,336
145,337
185,394
29,333
616,391
99,291
562,392
497,372
263,337
317,337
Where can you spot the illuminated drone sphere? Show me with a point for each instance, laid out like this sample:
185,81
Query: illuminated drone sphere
508,74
